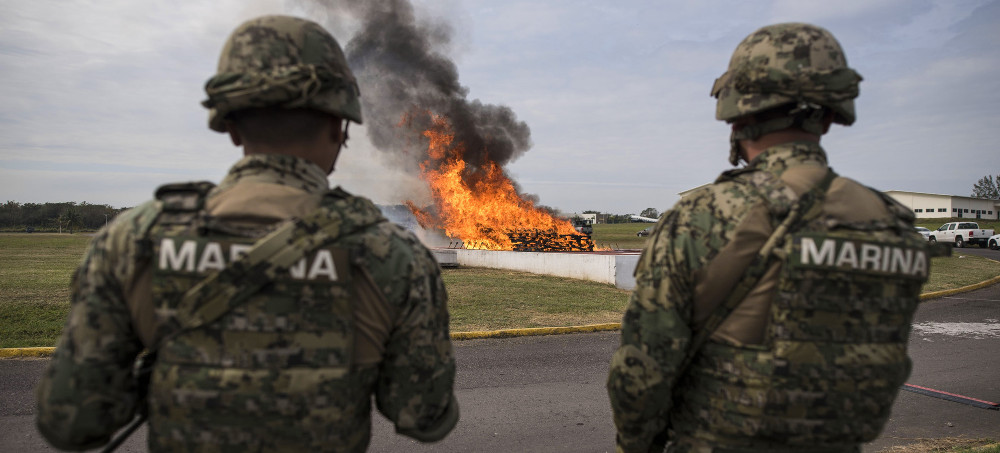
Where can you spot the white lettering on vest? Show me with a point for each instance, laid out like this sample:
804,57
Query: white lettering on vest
211,258
919,264
848,256
871,255
875,257
902,260
823,256
323,265
214,257
171,258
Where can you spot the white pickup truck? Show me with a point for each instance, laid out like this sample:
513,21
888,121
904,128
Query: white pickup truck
961,233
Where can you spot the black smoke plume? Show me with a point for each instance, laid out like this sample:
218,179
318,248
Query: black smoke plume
403,70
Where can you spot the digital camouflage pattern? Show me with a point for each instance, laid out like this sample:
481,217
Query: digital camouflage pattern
281,61
813,357
787,64
276,372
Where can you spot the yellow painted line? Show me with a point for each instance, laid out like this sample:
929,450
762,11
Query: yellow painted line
534,331
15,353
950,292
23,353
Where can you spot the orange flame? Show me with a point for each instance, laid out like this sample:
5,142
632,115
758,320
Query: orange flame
481,206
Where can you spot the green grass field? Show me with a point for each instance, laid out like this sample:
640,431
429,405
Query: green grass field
619,235
35,272
490,299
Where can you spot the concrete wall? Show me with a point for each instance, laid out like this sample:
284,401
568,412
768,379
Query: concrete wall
611,268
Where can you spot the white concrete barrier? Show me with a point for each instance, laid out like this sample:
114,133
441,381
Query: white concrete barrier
606,267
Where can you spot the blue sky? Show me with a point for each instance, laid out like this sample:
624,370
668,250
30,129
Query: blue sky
99,101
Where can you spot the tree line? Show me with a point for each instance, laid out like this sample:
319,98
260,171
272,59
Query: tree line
65,217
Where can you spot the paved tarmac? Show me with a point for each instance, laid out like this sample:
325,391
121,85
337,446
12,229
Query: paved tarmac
547,393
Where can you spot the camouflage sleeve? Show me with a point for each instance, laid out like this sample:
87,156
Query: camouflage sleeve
87,392
655,338
656,327
417,374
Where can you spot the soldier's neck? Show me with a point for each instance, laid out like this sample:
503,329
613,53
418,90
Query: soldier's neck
753,148
323,155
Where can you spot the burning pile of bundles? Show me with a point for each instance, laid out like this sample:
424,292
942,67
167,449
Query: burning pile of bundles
549,241
528,240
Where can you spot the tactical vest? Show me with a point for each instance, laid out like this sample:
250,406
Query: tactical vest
834,349
274,372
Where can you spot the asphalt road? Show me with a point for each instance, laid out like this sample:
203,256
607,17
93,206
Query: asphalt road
547,393
977,250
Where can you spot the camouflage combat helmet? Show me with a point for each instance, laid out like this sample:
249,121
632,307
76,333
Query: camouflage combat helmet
789,63
281,61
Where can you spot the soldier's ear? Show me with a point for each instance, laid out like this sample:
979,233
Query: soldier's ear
339,130
234,134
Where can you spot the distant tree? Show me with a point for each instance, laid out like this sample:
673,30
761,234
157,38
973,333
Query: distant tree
650,212
73,219
10,214
987,187
59,221
591,212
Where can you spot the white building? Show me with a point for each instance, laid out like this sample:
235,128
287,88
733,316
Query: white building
932,205
590,219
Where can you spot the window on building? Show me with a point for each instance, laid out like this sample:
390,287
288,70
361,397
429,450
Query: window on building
918,210
966,210
954,209
942,209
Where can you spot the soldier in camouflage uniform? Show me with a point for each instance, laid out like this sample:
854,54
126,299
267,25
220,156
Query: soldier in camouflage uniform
340,304
818,275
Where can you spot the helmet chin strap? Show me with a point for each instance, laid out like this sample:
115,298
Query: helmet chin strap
807,117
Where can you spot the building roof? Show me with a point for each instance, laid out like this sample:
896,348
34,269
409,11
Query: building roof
995,201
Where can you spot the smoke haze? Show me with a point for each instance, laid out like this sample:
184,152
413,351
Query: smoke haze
404,71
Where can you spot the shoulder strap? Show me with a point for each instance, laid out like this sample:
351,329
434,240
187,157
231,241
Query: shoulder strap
808,207
273,254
